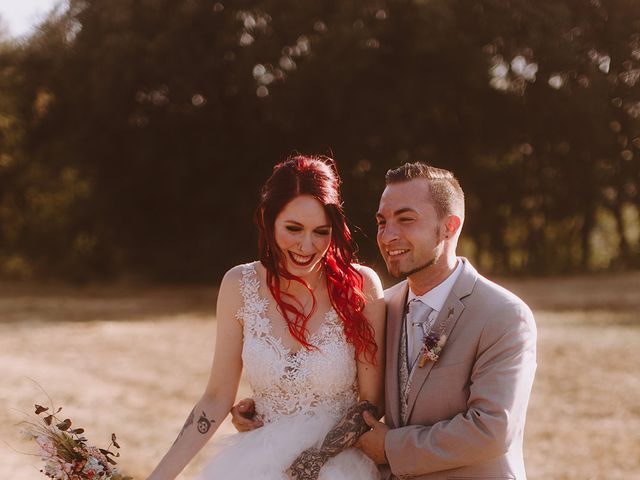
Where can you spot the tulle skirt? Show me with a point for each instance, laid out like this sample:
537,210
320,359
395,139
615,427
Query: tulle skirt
267,452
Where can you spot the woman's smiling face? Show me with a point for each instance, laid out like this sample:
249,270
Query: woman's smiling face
303,234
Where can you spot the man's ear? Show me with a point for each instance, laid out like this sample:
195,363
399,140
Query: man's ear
452,225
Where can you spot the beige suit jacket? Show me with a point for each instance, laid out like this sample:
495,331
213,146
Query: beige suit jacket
466,412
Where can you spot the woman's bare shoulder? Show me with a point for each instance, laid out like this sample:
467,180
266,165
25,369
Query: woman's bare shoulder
371,279
234,274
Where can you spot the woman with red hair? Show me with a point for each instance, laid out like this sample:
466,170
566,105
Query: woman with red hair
306,324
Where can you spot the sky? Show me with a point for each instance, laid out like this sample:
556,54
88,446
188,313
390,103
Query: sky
20,16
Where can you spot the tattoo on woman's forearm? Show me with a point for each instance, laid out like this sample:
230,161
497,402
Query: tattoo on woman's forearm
344,435
186,425
348,430
204,424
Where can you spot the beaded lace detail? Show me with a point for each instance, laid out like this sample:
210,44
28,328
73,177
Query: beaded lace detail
286,382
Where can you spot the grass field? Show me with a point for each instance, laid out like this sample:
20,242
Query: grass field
134,360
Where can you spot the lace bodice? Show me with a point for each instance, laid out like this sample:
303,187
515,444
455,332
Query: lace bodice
287,383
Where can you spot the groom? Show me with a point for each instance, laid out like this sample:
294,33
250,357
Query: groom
460,350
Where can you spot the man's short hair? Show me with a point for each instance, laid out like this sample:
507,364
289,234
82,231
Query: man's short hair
446,193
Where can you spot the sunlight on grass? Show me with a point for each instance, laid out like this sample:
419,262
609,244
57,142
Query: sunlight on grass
141,378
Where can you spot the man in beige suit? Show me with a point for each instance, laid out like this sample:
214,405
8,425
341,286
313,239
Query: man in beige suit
460,350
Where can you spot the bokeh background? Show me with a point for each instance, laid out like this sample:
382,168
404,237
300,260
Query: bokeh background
135,134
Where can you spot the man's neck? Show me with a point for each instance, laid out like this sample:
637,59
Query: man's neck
426,280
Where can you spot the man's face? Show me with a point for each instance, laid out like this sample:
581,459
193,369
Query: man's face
410,235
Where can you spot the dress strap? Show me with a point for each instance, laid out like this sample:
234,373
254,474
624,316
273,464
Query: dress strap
249,283
253,306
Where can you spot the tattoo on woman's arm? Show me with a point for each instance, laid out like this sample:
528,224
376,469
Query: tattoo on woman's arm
344,435
188,422
348,430
204,424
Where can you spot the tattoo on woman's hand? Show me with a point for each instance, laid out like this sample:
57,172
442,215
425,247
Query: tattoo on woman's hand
308,464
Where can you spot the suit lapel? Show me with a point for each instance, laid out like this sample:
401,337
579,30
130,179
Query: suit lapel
450,313
395,311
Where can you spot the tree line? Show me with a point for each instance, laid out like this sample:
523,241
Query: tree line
134,134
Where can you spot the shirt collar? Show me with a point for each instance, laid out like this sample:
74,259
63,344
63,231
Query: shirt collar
437,296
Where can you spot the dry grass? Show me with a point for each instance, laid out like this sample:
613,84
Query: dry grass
134,361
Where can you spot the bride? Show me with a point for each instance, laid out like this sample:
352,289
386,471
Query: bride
306,324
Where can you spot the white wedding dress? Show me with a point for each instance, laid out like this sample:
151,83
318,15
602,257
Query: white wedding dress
299,396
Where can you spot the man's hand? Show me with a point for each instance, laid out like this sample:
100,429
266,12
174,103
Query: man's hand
243,415
372,442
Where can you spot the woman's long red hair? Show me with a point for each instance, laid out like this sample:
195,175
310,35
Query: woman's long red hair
317,177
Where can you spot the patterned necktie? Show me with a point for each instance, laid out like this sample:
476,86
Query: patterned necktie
417,316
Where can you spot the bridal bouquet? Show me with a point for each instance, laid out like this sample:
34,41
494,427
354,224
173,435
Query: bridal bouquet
65,451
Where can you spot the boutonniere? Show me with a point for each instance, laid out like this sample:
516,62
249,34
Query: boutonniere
433,345
434,342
